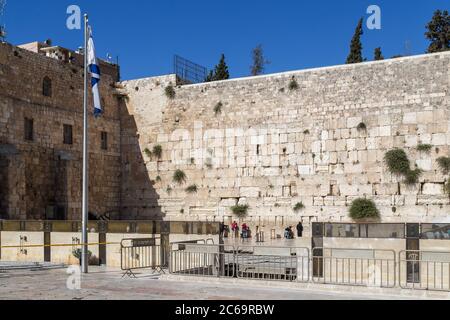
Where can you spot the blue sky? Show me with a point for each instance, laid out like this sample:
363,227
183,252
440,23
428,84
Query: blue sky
295,34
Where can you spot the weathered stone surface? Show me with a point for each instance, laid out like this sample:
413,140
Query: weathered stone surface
305,144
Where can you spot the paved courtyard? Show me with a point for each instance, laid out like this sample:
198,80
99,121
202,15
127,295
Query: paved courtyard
103,284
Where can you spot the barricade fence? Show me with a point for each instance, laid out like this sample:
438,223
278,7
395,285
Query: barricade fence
354,267
335,266
416,270
138,254
424,270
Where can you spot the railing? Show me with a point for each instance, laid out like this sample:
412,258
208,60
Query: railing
138,254
424,270
272,263
249,262
354,267
202,260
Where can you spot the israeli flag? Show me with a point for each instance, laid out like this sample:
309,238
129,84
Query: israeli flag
95,75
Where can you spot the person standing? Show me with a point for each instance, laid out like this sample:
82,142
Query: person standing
300,230
235,229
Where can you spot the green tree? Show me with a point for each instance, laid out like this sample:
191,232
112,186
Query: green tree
355,55
220,71
210,76
259,61
439,32
378,54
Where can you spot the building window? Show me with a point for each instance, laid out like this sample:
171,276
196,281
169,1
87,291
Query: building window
28,129
47,87
104,137
68,139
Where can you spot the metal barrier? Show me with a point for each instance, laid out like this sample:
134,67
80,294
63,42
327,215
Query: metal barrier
138,254
272,263
424,270
354,267
202,260
250,262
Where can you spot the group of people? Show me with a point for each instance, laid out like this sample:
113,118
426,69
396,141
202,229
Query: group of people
245,231
289,233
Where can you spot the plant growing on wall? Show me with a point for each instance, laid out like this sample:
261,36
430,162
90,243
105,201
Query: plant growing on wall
148,153
412,177
169,190
158,179
179,177
170,91
192,189
218,108
299,206
157,151
293,85
363,209
398,163
444,164
424,148
240,210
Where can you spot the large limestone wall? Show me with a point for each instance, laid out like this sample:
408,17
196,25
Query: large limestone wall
271,147
45,172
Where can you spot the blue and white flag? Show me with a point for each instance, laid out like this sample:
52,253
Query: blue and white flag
95,75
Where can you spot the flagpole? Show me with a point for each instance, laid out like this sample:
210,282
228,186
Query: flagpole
85,204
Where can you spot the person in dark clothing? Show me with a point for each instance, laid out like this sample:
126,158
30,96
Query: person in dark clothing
300,230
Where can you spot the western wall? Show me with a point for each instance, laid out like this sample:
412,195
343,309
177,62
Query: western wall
270,144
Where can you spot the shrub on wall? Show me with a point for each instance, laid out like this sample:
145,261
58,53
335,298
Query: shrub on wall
293,85
299,206
412,177
148,153
170,91
363,209
192,189
218,108
444,164
179,177
240,210
398,163
424,148
157,151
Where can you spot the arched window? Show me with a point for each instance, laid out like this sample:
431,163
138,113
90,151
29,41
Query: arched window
47,87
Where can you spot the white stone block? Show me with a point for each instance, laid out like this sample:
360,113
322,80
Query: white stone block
432,189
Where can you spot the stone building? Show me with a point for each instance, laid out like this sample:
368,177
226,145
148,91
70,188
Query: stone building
41,121
316,137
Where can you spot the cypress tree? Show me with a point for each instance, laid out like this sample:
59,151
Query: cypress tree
378,54
355,55
439,32
221,72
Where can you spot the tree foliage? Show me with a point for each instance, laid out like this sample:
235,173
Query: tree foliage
438,32
378,55
259,61
355,55
220,71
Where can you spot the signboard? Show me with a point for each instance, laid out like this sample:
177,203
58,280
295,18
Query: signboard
137,243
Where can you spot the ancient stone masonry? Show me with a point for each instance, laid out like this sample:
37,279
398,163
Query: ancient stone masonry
270,144
40,177
313,140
